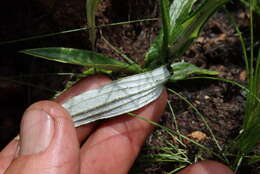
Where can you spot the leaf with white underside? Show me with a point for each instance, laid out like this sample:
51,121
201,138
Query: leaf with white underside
117,98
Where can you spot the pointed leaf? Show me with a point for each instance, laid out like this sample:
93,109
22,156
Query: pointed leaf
183,28
157,53
182,70
81,57
165,28
153,54
179,10
183,35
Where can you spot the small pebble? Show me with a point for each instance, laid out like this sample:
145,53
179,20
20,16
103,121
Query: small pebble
197,102
197,135
242,76
206,97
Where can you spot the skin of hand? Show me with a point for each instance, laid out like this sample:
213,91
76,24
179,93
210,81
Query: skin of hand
49,143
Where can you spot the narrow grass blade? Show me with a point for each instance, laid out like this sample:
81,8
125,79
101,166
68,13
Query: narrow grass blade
228,81
91,6
165,28
73,31
119,97
118,51
256,7
20,82
173,133
201,117
82,57
247,141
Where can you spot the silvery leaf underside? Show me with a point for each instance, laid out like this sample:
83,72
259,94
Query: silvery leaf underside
117,98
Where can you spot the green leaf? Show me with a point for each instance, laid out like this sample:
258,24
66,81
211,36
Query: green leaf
248,139
179,11
182,70
161,45
165,28
256,5
165,7
254,159
184,34
180,26
157,53
92,71
171,16
153,54
82,57
91,6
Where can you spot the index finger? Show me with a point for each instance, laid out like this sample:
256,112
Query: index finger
83,85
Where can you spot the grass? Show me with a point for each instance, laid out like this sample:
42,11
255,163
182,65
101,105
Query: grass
243,146
245,143
241,150
165,51
82,29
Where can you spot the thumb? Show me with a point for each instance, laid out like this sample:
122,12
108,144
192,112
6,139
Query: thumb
48,142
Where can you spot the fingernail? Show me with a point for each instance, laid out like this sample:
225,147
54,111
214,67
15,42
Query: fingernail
36,132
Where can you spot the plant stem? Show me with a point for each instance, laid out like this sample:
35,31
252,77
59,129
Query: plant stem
165,26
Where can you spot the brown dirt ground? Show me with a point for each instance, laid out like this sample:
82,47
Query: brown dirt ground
218,48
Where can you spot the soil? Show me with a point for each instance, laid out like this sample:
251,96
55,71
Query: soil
25,80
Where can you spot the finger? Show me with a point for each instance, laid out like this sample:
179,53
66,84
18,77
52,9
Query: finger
113,147
7,155
48,141
206,167
86,84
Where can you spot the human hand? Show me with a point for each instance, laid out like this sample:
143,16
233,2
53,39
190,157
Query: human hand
49,143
